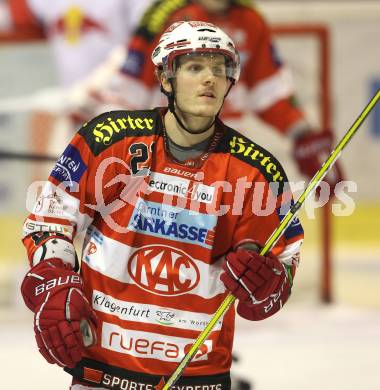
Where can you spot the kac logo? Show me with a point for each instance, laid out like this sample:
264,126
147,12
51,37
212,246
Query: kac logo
163,270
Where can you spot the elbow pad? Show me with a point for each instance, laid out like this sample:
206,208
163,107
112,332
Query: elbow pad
56,248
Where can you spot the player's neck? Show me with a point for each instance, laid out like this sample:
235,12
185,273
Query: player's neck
182,137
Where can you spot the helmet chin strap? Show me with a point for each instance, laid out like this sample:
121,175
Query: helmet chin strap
171,106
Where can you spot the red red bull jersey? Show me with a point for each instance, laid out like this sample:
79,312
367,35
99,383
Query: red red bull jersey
265,86
82,33
156,232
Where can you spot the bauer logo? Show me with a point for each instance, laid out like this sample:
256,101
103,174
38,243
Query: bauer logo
70,167
173,223
163,270
56,282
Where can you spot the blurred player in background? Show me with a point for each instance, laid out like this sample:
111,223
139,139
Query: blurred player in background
82,35
265,89
164,245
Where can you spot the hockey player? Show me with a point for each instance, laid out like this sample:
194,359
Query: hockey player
175,205
265,87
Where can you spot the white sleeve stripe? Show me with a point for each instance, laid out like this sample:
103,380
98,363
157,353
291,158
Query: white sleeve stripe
37,323
271,90
287,255
31,274
128,92
54,202
38,314
5,17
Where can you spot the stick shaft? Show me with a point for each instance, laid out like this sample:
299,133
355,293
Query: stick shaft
286,221
5,155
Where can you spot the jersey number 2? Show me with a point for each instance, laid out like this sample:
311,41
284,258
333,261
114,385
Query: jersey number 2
140,155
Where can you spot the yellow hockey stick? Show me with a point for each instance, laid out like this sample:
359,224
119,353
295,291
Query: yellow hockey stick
229,300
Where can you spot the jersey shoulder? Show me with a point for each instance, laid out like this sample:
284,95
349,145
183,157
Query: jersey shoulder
244,149
250,15
111,127
156,17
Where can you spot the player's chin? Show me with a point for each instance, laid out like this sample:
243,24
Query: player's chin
210,109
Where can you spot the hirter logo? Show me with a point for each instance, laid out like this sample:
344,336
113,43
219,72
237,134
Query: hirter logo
163,270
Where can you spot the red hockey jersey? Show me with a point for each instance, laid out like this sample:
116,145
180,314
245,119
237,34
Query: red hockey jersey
82,33
156,233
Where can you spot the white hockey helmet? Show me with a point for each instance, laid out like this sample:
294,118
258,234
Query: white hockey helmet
195,37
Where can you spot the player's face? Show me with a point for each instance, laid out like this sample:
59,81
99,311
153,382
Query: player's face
201,84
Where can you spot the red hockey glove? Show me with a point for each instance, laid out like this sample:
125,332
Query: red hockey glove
64,322
260,283
310,150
